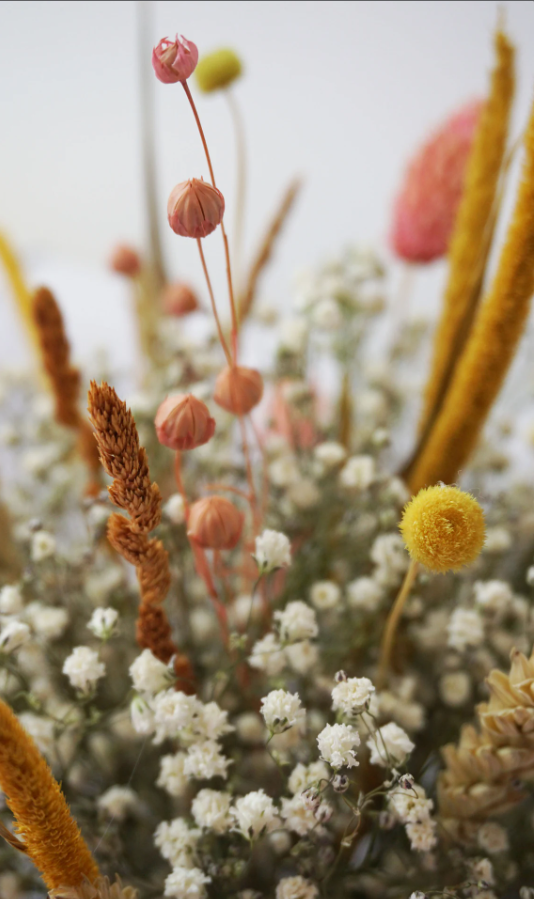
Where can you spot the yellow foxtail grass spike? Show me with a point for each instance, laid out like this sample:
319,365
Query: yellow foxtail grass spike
491,346
18,285
471,237
51,836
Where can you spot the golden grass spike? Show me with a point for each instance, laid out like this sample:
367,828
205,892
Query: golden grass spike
19,287
472,233
491,346
265,251
51,837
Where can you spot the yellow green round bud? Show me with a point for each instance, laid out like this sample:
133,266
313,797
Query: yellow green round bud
218,70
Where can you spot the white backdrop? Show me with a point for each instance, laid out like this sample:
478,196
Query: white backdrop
339,92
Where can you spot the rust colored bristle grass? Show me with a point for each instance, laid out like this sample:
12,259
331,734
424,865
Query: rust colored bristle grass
64,378
126,462
50,835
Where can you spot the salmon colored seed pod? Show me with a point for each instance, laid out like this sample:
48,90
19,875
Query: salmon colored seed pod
183,422
215,523
174,61
179,299
195,208
125,261
238,389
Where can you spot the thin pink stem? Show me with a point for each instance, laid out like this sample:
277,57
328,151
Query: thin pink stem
235,490
246,452
213,306
180,483
202,567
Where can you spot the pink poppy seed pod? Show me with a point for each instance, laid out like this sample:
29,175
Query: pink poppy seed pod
238,389
125,261
174,60
179,299
183,422
426,207
195,208
215,523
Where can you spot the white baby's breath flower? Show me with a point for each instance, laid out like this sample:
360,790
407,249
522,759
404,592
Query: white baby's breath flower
336,744
493,596
41,730
365,594
281,710
304,493
177,842
174,712
142,716
283,471
296,622
358,473
47,622
422,835
302,656
148,674
296,888
174,509
273,550
43,546
103,622
99,585
254,814
267,655
250,728
305,776
390,746
389,555
186,883
498,540
211,809
205,760
351,696
212,722
455,688
171,774
293,334
13,635
118,802
325,594
465,628
329,454
492,838
300,814
83,669
11,602
326,315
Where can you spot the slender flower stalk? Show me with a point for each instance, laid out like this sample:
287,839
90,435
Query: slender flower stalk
491,346
51,837
21,292
241,176
392,624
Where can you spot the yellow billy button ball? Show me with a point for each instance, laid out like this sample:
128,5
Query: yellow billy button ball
443,528
218,70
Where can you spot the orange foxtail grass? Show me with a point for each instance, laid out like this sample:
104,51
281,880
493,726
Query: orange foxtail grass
64,378
126,462
18,285
50,835
265,250
472,235
491,345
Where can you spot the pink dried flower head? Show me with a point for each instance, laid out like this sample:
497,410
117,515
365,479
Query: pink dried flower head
183,422
238,389
174,60
425,209
215,523
195,208
179,299
125,260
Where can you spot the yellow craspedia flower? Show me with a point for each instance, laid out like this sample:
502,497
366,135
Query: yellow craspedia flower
218,70
443,528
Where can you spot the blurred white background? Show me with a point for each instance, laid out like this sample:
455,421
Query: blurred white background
339,92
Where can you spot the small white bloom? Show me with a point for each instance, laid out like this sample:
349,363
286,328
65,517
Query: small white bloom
83,668
299,814
296,622
13,635
304,493
493,596
148,674
273,550
281,710
174,509
142,716
336,742
389,555
455,688
325,594
492,838
47,622
390,746
211,809
283,471
358,473
326,315
422,835
205,760
43,546
465,628
102,623
10,600
352,695
365,594
41,730
293,334
267,655
177,842
118,802
99,585
304,776
329,454
98,515
212,722
498,540
296,888
186,883
174,712
410,806
171,774
255,814
303,656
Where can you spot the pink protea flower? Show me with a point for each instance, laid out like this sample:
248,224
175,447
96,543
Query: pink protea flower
179,299
425,209
183,422
174,60
194,208
215,523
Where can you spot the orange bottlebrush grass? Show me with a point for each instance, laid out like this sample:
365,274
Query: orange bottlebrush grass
472,233
126,461
51,837
491,346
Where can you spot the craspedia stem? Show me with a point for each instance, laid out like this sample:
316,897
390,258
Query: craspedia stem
393,622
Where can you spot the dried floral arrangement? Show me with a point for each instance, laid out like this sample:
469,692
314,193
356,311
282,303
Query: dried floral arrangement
272,658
